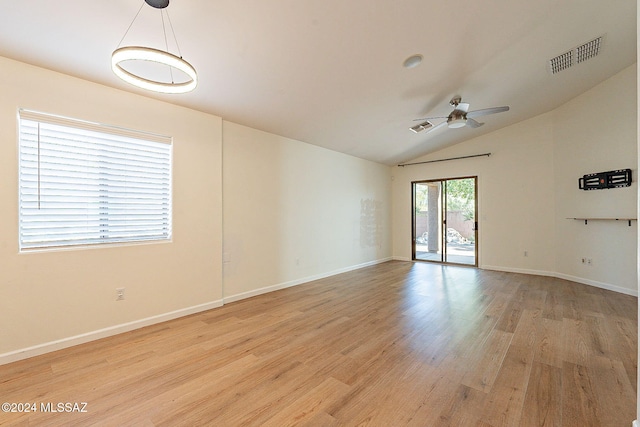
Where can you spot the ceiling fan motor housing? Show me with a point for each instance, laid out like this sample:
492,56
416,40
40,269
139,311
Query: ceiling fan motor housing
456,120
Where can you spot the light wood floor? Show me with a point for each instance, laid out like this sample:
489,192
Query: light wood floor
390,345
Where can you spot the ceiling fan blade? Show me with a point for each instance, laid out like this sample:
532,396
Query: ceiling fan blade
486,111
473,124
439,125
429,118
462,106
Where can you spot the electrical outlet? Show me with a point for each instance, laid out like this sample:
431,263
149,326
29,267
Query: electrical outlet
119,294
589,261
584,260
526,253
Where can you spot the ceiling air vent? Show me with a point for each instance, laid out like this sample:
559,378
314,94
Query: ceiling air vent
576,55
421,126
588,50
561,62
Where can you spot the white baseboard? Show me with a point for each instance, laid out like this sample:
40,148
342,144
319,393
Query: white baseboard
39,349
300,281
608,286
48,347
519,270
602,285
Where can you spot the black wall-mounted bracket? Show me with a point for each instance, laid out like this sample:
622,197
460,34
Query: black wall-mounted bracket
602,180
586,220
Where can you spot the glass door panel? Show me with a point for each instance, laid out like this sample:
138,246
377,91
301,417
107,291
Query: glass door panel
427,221
444,221
460,222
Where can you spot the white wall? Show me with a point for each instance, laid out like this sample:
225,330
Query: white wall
55,295
597,132
512,183
529,186
294,212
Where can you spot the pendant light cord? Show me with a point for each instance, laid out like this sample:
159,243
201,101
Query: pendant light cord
164,30
131,25
174,35
175,39
166,43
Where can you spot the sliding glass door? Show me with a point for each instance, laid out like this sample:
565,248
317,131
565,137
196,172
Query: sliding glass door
444,221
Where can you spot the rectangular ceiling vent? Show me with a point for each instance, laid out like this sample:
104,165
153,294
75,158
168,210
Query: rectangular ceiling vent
561,62
576,55
588,50
421,126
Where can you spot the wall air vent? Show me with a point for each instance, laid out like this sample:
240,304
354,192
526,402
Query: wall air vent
576,55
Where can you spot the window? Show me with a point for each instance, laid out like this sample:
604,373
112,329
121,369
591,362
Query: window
83,183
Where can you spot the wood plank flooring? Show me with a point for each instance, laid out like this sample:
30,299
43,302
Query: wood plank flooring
396,344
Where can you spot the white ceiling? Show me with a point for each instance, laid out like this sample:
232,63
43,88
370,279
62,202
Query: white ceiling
330,72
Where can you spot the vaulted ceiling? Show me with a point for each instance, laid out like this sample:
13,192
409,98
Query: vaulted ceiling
330,72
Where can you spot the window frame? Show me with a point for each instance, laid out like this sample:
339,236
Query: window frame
115,200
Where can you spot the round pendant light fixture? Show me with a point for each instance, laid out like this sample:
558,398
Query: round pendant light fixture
139,53
157,56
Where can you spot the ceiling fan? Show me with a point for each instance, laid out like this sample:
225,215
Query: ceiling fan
459,117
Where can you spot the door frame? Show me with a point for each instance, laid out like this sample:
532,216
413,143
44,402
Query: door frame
443,221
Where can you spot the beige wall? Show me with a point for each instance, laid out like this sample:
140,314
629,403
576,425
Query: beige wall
529,185
294,212
290,211
55,295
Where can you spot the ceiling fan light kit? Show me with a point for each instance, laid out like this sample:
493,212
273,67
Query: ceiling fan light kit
162,57
457,122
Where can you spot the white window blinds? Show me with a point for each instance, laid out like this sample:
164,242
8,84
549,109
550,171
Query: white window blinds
83,183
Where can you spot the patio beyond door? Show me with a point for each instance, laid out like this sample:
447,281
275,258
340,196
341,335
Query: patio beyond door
444,221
